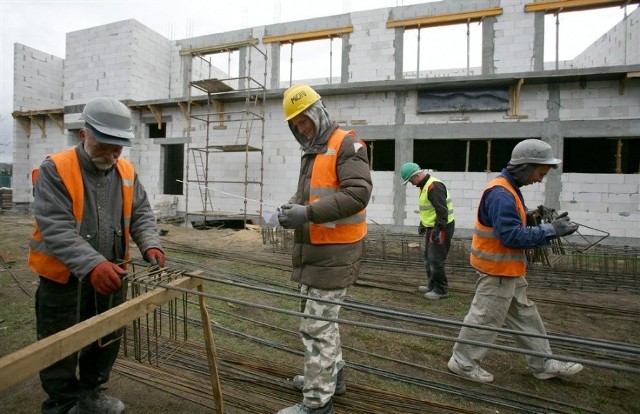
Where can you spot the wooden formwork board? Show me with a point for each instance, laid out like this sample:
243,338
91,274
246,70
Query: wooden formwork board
29,360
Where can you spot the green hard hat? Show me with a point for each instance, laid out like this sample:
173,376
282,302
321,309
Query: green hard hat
408,170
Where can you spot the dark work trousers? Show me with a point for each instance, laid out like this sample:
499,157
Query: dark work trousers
57,310
435,255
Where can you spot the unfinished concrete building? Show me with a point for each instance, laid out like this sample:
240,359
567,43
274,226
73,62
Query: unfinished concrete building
211,141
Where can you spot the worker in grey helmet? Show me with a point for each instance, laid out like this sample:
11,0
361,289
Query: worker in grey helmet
437,224
327,213
498,245
88,202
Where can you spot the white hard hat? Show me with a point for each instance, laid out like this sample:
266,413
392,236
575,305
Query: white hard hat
533,151
109,120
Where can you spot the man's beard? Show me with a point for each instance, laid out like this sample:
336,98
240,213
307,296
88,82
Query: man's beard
101,163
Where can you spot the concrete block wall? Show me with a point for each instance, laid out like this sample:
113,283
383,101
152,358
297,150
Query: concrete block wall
624,38
125,60
98,62
109,60
38,79
370,42
606,202
38,85
150,74
513,36
599,100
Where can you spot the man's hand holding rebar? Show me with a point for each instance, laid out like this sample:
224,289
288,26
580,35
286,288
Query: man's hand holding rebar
292,215
563,226
154,256
106,277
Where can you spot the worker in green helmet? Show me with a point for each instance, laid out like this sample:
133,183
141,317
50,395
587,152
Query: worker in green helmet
437,224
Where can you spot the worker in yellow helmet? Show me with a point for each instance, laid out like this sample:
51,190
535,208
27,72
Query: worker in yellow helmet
327,212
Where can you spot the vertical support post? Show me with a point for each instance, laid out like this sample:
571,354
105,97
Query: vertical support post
211,351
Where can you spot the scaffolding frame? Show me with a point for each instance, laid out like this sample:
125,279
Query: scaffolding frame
219,91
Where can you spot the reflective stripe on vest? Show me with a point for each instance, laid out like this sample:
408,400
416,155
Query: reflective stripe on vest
68,167
324,182
427,211
488,254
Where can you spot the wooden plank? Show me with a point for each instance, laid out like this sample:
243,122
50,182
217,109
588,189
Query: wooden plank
445,19
574,5
212,356
309,35
28,361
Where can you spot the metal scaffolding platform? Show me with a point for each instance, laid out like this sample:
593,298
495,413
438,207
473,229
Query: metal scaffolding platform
225,194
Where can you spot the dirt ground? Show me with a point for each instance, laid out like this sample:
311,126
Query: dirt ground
18,282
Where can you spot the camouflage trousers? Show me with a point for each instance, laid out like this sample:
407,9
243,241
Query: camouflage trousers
321,340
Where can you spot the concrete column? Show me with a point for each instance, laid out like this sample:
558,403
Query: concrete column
398,44
404,153
275,65
346,49
488,46
552,134
538,41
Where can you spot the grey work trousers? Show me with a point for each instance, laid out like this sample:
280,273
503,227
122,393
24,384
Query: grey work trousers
501,300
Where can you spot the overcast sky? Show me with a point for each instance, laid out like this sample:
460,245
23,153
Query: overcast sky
43,25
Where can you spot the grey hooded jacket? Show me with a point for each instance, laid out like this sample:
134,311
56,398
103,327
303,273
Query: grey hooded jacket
100,234
329,266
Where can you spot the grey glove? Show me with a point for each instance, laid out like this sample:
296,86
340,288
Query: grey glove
292,215
545,212
563,226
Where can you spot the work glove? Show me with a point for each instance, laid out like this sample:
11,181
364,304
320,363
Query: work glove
292,215
106,277
563,226
545,212
422,230
438,235
154,256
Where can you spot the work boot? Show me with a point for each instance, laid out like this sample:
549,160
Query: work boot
476,373
341,385
302,409
97,402
433,295
554,368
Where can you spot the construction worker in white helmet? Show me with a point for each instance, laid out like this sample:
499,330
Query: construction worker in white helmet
88,203
328,214
498,245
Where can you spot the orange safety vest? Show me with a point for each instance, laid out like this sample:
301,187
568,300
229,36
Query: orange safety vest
488,254
324,182
68,167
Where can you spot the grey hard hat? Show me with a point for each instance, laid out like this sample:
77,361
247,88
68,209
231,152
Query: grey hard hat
110,121
533,151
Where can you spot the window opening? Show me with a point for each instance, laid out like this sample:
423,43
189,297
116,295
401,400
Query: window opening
601,155
565,36
313,61
425,50
173,168
156,131
478,155
382,154
227,64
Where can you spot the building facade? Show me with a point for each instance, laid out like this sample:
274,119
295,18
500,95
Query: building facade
459,122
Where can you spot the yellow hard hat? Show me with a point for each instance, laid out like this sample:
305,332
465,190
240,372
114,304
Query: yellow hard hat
298,98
